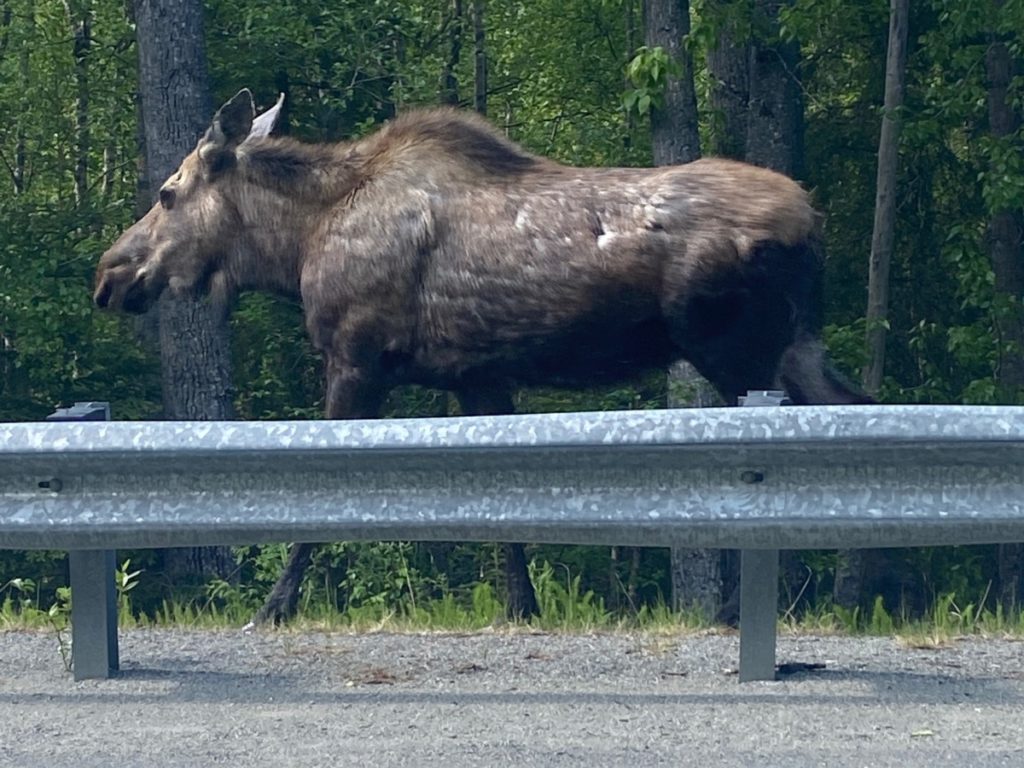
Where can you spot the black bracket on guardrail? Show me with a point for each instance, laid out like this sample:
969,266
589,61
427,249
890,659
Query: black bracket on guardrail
90,411
93,596
764,397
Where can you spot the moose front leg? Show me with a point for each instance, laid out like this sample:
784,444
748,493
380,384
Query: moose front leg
482,399
352,393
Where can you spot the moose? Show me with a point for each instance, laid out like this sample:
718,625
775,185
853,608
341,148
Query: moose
437,252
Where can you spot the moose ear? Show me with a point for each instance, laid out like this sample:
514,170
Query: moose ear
230,127
266,122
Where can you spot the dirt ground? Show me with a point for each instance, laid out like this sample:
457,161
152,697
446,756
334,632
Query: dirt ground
204,698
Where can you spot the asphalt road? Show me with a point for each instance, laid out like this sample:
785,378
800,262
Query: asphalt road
189,698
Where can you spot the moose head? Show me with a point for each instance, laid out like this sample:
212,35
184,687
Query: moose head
187,237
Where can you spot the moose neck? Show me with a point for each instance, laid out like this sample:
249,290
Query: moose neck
284,189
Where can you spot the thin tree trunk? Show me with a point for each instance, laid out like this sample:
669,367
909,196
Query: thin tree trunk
1005,235
631,37
633,580
852,577
448,91
5,26
79,13
194,342
884,232
522,598
614,580
18,172
109,171
479,58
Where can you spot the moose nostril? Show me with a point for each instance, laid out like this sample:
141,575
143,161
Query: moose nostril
102,297
136,299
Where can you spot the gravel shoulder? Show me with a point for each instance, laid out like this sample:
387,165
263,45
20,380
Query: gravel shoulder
205,698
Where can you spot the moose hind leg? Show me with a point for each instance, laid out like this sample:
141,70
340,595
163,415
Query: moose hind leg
754,325
734,340
809,377
483,400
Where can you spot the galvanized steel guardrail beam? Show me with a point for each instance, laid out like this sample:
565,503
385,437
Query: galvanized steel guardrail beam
747,478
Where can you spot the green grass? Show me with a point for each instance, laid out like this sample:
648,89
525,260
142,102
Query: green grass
945,621
564,607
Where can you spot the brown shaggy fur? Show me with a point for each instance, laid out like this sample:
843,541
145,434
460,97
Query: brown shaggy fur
435,251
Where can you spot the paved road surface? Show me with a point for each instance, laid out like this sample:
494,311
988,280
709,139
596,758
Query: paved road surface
494,699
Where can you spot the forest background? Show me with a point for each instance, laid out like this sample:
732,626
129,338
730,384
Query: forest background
802,86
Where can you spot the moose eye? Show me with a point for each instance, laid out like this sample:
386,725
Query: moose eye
167,198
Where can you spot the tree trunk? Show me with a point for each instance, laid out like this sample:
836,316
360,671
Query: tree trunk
79,13
696,578
696,573
479,59
145,326
109,171
1005,234
774,139
884,231
856,566
631,38
20,151
522,598
194,343
728,65
674,127
775,107
448,90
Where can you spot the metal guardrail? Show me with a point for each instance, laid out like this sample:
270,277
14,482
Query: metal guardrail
756,479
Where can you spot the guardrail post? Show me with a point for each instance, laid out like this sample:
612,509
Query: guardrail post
759,597
93,597
759,581
93,613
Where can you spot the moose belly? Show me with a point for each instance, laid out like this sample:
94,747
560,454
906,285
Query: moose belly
589,355
557,349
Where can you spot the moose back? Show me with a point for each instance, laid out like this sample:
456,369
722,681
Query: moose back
437,252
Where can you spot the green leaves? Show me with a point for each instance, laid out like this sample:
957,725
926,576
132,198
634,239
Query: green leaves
648,71
1002,178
